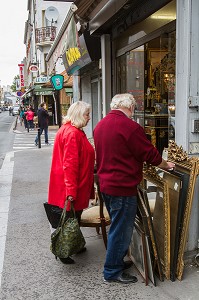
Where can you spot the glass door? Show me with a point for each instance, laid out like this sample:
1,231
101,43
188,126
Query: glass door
130,79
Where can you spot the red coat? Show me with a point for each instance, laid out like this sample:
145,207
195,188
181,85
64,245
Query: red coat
72,168
29,115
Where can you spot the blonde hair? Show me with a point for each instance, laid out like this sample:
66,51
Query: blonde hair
122,101
75,114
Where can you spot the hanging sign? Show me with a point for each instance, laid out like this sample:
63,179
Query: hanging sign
57,81
21,75
33,68
76,53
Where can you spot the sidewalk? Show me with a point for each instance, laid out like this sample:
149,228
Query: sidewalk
30,271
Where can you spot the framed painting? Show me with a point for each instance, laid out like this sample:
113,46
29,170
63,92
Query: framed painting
178,187
188,166
149,256
161,214
137,252
144,216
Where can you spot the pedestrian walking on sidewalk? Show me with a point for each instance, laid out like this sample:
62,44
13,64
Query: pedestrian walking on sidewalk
10,110
29,114
121,148
43,119
25,119
21,115
72,168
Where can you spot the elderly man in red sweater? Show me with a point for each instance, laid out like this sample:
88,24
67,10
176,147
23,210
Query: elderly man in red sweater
121,149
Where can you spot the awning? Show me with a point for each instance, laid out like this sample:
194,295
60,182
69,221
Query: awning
69,90
40,90
27,93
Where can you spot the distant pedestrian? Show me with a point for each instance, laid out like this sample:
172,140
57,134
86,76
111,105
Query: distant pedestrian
21,115
43,119
25,119
29,117
10,110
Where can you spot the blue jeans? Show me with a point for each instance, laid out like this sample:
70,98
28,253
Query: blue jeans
45,133
122,211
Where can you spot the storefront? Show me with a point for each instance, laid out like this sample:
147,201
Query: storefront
145,68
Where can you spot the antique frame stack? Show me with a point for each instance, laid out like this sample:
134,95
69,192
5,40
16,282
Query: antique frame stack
163,216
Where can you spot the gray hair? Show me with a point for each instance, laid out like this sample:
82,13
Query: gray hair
122,101
76,112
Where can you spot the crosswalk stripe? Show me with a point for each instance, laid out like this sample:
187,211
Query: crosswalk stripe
26,140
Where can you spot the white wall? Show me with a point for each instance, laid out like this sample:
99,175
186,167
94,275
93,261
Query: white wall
62,8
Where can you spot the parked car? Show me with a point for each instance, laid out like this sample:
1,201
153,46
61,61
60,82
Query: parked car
15,110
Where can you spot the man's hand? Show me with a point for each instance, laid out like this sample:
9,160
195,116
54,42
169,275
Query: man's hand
167,166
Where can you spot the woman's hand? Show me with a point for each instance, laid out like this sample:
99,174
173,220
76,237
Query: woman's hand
70,198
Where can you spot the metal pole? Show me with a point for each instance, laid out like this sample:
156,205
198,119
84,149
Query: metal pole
55,108
39,138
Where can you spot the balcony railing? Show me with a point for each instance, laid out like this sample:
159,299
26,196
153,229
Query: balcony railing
45,34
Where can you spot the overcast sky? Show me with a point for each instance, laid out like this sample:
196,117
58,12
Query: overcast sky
12,49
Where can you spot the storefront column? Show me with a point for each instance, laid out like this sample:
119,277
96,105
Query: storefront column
106,73
76,88
187,78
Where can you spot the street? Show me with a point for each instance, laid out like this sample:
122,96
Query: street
29,270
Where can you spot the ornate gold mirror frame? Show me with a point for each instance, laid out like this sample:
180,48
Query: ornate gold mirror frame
187,165
150,175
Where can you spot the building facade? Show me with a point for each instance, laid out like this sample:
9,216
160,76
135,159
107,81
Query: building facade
44,21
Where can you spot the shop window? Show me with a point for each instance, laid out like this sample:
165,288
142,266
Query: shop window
148,72
96,92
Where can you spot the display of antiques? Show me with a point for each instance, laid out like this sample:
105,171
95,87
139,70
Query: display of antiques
162,221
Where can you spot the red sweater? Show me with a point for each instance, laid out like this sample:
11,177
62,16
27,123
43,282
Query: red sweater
29,115
121,148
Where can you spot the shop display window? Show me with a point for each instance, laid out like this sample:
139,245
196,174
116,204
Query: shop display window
148,72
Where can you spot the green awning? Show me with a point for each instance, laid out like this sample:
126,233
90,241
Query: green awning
69,90
40,90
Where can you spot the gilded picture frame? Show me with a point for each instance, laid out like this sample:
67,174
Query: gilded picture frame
149,253
144,216
177,183
186,165
162,217
137,252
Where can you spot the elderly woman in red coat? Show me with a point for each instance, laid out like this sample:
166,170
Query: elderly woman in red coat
72,169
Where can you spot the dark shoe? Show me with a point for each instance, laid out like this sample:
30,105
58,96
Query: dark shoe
67,261
36,144
47,144
127,264
123,278
82,250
